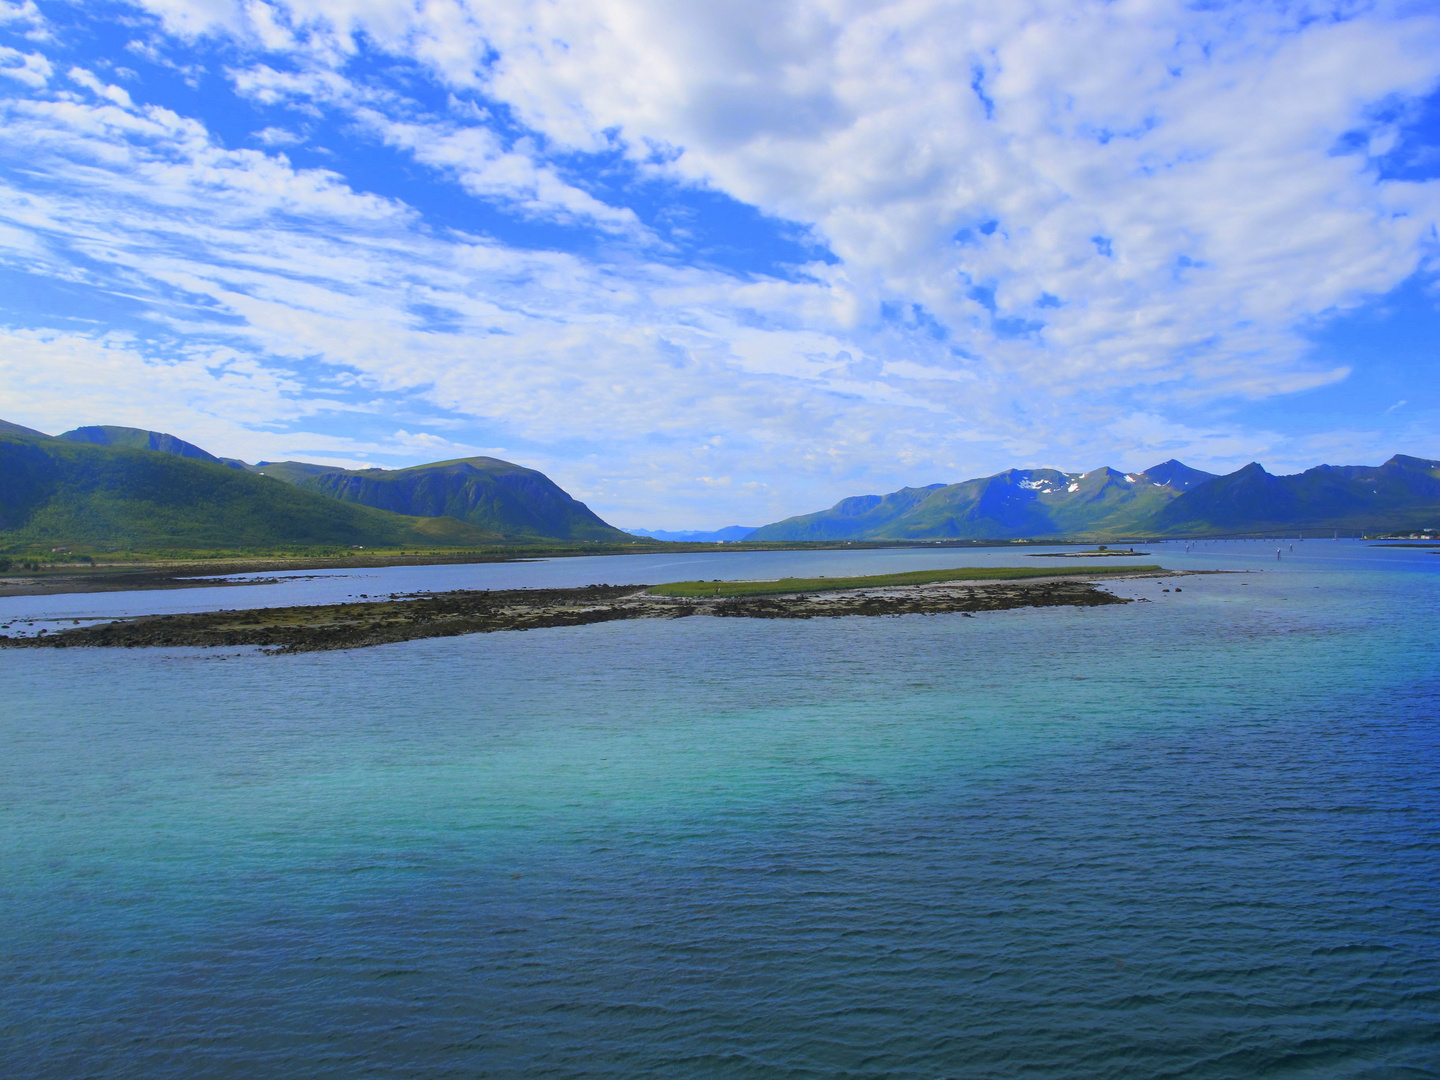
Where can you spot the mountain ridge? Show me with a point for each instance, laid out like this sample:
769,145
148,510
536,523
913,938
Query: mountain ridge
1402,493
55,491
103,484
488,500
730,534
483,491
1169,499
7,428
137,439
1014,504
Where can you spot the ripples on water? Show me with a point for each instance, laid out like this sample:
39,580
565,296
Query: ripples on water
1195,837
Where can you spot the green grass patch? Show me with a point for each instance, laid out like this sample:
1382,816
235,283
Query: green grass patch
914,577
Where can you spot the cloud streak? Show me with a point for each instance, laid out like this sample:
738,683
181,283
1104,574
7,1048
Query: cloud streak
1060,234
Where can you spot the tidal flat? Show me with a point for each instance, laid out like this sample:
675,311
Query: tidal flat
396,618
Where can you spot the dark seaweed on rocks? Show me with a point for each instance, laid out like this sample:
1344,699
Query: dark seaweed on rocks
918,601
378,622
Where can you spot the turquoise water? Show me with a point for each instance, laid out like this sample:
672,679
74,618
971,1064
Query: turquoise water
1192,837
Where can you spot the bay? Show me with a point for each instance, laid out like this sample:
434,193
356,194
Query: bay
1195,836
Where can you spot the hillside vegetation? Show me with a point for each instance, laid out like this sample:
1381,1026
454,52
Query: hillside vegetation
1170,499
1016,503
116,489
1402,494
494,495
54,491
782,586
137,439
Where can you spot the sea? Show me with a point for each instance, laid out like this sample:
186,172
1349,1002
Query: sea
1193,836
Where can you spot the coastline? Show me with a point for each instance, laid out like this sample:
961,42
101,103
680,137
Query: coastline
398,618
197,573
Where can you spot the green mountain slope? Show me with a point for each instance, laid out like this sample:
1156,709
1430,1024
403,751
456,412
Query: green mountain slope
137,439
495,500
855,518
486,492
1014,504
1169,499
1402,494
54,491
7,428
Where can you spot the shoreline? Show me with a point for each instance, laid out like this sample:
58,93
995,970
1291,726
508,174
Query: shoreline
155,576
159,574
316,628
1128,553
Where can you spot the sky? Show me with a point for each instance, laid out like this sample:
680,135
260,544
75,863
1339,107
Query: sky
708,263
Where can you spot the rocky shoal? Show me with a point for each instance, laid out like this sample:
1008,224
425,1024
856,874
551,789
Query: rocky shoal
449,614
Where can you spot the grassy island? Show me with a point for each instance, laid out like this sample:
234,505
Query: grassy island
877,581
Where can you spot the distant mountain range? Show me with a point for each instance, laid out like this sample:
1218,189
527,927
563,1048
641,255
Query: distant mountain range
728,535
1401,495
1170,499
130,488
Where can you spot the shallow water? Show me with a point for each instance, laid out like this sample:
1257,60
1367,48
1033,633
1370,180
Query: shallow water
337,586
286,588
1192,837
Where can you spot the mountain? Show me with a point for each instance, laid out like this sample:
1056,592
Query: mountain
486,492
1176,475
1402,494
138,439
7,428
728,535
858,517
59,491
1017,503
496,500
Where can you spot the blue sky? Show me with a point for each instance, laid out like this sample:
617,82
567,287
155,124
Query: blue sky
707,263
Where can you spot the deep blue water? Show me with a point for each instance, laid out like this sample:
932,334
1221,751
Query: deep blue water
1192,837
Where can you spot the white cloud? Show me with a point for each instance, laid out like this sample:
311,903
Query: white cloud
277,136
471,153
1175,133
20,15
1085,220
1172,133
33,69
58,381
476,157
